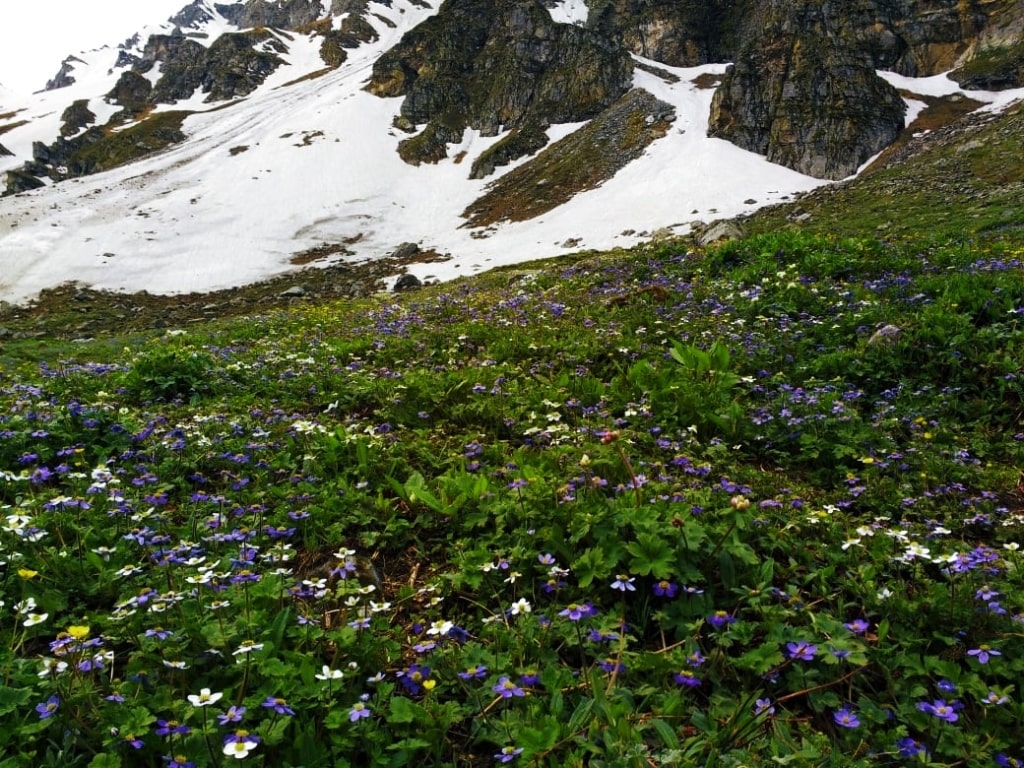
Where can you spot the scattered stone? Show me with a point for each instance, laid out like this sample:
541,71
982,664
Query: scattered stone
407,282
295,292
722,230
885,335
405,251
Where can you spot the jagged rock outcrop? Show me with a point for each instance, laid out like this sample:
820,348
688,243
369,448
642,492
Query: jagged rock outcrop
20,181
5,152
76,117
805,97
802,89
518,143
234,65
683,33
191,16
282,14
488,64
132,91
63,78
993,69
996,59
353,31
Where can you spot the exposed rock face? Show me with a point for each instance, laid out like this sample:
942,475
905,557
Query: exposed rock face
996,59
353,31
682,33
233,66
76,117
132,92
485,64
805,98
63,78
98,149
191,15
518,143
282,14
5,152
21,181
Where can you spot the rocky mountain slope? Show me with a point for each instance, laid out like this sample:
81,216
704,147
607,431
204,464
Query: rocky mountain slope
467,118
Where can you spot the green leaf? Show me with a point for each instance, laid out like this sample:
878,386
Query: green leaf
761,659
727,569
592,564
883,630
12,699
539,739
409,745
665,733
403,710
581,715
652,555
105,760
335,719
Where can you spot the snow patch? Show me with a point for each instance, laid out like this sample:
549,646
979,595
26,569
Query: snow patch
570,12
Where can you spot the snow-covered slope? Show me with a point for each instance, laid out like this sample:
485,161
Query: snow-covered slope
301,163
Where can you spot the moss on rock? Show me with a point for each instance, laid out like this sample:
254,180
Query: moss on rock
583,160
492,65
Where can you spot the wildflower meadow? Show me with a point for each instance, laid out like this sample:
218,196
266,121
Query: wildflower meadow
760,505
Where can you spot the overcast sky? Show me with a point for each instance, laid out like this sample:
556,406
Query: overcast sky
34,40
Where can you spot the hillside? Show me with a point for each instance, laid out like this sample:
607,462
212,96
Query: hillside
674,505
739,501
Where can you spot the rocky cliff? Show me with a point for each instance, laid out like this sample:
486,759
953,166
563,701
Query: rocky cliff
494,64
804,97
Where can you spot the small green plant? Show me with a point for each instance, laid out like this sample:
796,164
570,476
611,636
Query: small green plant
169,374
645,511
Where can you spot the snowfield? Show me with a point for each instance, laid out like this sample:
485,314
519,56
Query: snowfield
297,165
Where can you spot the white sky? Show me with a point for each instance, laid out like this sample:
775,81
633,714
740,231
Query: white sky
34,42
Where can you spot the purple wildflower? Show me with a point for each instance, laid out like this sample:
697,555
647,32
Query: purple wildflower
940,709
624,583
846,718
577,611
507,689
687,679
233,715
412,679
910,748
763,707
801,651
279,705
665,588
508,754
473,672
720,619
358,712
47,709
171,728
983,652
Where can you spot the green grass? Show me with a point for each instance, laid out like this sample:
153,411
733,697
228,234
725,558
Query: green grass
958,181
630,509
